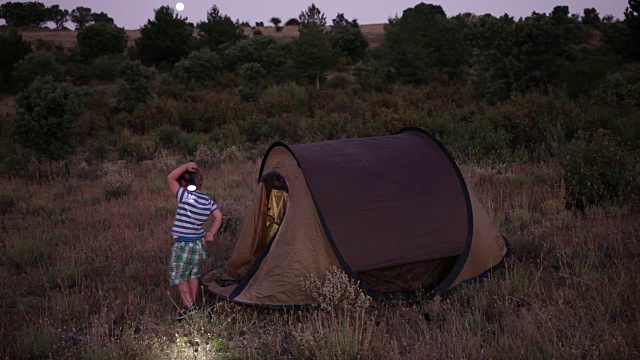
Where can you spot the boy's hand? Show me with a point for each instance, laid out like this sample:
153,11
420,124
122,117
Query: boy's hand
209,237
191,166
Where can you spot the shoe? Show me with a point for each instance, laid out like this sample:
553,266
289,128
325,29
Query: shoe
185,311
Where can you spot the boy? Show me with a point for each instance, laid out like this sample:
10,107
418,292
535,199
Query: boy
189,250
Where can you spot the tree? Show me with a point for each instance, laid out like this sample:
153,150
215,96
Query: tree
570,26
312,16
519,56
135,85
491,64
312,53
101,17
615,36
276,22
218,30
81,16
14,48
47,111
423,45
20,14
347,39
100,39
541,51
590,17
292,22
58,16
166,39
36,65
632,23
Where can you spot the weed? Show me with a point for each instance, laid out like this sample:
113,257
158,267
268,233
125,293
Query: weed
62,276
117,179
36,342
30,248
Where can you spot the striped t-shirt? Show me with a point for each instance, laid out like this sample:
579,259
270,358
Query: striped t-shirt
194,209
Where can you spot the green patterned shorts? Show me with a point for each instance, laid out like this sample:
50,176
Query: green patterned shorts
186,261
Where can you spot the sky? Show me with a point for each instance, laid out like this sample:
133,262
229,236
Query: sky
132,14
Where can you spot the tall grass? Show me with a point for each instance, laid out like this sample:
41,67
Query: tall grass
95,285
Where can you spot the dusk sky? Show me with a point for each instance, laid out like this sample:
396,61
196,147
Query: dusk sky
132,14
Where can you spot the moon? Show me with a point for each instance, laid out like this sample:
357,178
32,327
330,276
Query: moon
179,6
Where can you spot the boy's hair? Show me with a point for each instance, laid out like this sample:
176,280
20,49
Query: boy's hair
197,176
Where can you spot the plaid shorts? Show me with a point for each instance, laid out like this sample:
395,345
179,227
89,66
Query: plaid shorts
186,261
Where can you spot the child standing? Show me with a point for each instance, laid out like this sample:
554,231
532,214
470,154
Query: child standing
189,250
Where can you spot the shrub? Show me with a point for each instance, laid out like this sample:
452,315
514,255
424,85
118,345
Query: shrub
620,90
47,112
252,73
170,88
14,48
31,249
118,180
135,149
134,85
336,290
36,342
599,169
285,98
34,65
339,81
105,67
166,136
62,276
249,94
188,143
198,68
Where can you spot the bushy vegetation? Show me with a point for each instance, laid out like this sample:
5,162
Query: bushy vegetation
48,112
101,39
541,113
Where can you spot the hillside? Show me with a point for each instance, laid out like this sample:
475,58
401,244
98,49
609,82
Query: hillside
374,33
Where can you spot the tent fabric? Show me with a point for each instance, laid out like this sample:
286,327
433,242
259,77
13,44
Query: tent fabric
393,211
394,192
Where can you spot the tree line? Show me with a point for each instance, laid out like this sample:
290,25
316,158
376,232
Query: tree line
35,14
494,55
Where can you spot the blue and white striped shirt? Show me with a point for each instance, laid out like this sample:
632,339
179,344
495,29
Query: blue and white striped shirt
194,209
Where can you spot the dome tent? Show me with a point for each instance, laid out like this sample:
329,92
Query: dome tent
393,212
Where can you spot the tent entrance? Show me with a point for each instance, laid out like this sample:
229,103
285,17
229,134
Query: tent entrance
277,194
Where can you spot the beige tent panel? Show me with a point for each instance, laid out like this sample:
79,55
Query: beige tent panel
487,246
300,248
250,243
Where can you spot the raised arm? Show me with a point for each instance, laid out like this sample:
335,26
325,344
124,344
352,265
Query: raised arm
172,178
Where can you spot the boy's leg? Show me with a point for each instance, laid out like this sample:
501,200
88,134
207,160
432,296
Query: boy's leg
185,293
193,289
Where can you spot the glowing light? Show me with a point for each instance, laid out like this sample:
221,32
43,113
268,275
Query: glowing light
179,6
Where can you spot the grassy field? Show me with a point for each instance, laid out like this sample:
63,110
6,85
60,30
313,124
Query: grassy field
83,274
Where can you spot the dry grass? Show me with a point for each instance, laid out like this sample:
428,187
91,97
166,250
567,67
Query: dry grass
374,33
85,277
66,38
